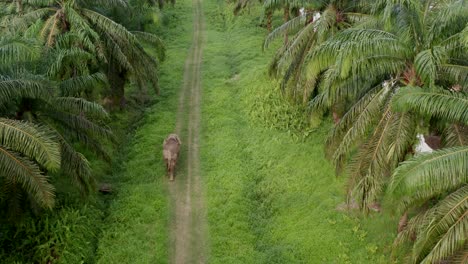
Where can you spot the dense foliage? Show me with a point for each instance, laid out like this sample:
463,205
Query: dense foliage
57,58
62,64
387,71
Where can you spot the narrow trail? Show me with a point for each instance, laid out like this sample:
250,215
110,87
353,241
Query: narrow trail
188,226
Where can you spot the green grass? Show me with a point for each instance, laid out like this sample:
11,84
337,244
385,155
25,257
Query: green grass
271,198
136,229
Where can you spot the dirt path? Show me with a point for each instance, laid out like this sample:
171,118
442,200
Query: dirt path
188,229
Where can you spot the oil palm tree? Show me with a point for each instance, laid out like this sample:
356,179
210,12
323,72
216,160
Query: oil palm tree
39,126
287,6
37,135
137,15
413,44
26,151
81,25
433,188
290,60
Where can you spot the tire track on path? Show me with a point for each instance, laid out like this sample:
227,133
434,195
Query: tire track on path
189,227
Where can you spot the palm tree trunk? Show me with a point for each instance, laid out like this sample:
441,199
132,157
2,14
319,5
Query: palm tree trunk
403,222
296,12
23,108
269,19
117,78
335,114
336,117
118,89
286,19
310,15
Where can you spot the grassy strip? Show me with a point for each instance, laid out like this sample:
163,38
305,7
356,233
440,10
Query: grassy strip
136,229
271,198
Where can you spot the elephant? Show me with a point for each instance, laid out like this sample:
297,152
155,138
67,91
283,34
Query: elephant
171,149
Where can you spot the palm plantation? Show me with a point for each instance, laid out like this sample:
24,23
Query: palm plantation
365,67
439,176
290,60
88,89
38,126
403,63
76,31
54,55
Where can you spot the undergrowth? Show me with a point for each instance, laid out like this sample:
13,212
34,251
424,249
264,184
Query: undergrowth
72,232
136,228
271,198
268,106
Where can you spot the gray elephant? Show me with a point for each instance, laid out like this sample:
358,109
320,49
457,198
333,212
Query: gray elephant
171,148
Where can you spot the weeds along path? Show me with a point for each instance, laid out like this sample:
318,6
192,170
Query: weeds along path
141,223
188,228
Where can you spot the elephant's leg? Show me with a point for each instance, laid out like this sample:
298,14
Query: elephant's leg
171,169
172,173
167,166
174,166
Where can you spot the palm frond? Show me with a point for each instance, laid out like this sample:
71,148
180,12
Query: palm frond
33,141
76,124
12,88
355,124
28,174
116,54
401,139
455,135
39,3
104,24
154,40
370,166
51,29
273,4
106,3
297,49
75,85
427,62
354,45
23,22
449,18
15,49
450,106
80,106
461,256
76,166
67,57
427,175
457,74
33,31
289,26
446,232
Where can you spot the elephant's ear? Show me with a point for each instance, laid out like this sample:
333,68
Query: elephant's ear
178,139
